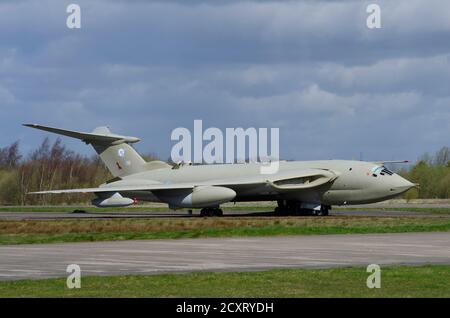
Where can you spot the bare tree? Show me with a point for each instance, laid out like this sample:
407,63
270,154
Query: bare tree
10,156
442,156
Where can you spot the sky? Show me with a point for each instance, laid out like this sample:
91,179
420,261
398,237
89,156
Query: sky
335,88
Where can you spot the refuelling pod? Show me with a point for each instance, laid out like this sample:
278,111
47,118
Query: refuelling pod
199,197
113,201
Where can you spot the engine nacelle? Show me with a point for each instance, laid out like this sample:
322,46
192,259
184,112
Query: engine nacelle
113,201
199,197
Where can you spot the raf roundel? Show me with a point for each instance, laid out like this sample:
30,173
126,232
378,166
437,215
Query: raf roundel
121,153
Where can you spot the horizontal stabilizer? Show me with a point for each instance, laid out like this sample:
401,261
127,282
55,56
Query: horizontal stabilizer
390,161
101,135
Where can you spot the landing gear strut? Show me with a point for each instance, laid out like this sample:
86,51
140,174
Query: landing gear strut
211,212
288,207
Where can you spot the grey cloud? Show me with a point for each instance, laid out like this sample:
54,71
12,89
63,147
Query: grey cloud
312,68
238,31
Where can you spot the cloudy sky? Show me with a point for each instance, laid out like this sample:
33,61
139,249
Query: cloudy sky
335,88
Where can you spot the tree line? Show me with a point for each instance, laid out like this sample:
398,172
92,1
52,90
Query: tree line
53,166
50,166
432,173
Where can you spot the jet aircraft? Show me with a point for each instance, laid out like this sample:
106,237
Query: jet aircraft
299,187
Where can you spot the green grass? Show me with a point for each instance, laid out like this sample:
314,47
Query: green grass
56,231
400,281
405,209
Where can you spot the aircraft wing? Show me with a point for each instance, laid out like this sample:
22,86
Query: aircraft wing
291,180
120,188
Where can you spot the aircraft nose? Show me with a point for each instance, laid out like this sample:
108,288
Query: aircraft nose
401,185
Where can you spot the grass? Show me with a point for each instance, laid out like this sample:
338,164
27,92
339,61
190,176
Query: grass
405,209
399,281
80,230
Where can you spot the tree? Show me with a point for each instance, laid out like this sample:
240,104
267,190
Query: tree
10,156
442,156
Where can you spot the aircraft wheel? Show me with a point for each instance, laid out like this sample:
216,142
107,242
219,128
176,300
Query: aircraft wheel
282,211
211,212
282,208
323,211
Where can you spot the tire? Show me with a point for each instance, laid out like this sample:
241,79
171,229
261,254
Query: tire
282,211
207,212
323,211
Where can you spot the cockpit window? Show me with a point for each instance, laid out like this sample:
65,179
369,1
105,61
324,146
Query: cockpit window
381,170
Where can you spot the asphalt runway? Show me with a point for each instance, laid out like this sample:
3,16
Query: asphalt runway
18,216
223,254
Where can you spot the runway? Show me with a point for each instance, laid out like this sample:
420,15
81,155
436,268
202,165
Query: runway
223,254
19,216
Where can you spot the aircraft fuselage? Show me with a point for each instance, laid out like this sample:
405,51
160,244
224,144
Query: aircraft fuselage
358,182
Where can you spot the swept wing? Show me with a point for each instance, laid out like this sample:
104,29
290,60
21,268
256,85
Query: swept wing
293,180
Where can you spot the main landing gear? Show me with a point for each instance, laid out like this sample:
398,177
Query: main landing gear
287,207
211,212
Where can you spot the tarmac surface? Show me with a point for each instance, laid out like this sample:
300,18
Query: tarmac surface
223,254
18,216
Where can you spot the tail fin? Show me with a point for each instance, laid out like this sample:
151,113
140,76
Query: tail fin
115,151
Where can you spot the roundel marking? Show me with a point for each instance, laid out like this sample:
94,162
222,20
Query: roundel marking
121,152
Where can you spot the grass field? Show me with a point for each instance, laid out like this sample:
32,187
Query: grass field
401,281
442,211
78,230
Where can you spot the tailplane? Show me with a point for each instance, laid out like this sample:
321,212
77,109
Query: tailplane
115,150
